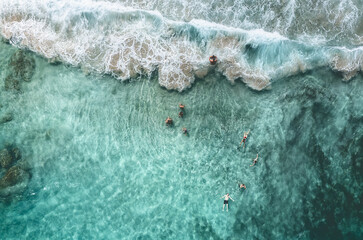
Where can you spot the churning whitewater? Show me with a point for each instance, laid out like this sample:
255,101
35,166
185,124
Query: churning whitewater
129,39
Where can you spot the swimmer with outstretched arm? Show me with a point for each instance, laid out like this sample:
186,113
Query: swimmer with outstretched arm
226,197
245,134
254,161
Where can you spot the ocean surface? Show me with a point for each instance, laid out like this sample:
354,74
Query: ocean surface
86,86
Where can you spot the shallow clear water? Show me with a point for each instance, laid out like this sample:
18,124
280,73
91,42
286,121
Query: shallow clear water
104,165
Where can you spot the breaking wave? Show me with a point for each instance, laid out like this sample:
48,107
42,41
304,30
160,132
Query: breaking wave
129,41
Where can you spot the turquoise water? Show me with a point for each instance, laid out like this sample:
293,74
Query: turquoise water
104,165
85,88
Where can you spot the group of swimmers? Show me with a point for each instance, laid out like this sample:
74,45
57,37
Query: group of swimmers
241,185
169,120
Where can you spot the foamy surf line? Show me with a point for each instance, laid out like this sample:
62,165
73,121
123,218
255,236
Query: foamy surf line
127,42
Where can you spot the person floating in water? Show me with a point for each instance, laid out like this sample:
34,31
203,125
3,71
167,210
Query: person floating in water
169,121
185,131
254,161
226,197
213,59
245,134
241,185
181,113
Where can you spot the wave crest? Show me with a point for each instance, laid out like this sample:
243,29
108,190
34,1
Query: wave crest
125,42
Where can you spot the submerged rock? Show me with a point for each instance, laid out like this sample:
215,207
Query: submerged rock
11,83
24,164
9,156
22,65
6,159
21,68
14,176
16,153
6,118
14,173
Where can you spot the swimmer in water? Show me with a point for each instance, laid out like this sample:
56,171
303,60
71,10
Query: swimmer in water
169,121
226,197
213,59
254,161
241,185
185,131
245,134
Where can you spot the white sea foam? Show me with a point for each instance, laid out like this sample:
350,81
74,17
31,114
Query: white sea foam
348,62
127,42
